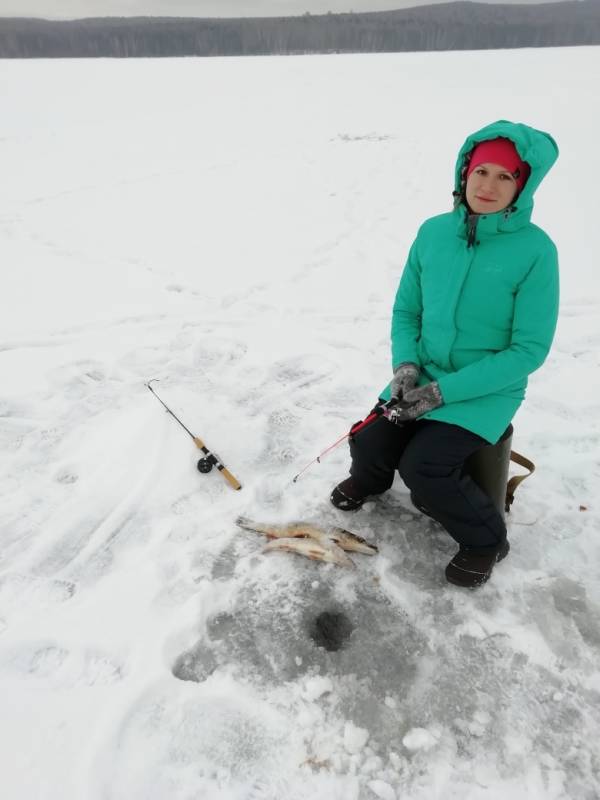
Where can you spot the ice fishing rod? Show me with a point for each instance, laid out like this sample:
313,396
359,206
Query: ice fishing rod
377,412
210,460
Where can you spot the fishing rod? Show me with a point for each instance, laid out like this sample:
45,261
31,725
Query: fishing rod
210,460
377,412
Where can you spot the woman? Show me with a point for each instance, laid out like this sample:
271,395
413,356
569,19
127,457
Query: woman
474,315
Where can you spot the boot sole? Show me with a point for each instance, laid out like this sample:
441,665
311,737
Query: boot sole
344,503
482,577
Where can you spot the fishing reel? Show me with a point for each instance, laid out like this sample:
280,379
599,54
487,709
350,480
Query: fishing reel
206,464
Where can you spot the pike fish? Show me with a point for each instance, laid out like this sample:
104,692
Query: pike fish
318,551
325,544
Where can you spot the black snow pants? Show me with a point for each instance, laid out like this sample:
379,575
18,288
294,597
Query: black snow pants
430,458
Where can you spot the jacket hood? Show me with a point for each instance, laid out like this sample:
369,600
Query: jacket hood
536,147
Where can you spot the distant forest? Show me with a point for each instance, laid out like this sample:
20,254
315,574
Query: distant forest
452,26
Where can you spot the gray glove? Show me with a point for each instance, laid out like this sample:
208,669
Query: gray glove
421,400
405,377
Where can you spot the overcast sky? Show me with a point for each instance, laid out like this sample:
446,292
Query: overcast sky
70,9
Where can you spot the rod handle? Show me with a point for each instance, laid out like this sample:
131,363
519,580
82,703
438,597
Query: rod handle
231,480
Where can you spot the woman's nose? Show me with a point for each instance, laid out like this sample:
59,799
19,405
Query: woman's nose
487,185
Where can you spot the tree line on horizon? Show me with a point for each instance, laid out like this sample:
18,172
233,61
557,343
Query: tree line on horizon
451,26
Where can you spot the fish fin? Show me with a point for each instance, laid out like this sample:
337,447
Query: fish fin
343,559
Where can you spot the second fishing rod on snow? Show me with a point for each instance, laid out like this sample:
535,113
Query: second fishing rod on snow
210,460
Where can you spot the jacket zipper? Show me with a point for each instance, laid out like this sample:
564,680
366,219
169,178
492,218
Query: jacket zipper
472,229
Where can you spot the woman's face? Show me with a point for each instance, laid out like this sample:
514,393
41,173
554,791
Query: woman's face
490,188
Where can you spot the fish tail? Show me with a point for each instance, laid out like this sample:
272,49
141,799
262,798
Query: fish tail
250,525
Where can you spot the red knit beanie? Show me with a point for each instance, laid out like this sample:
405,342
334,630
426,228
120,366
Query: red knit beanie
501,152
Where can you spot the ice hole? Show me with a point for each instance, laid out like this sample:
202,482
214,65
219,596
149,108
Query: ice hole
330,629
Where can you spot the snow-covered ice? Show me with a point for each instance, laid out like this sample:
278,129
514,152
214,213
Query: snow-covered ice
237,228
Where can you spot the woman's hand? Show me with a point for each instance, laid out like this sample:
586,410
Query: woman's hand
417,402
405,377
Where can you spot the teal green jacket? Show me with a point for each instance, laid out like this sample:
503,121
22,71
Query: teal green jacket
477,304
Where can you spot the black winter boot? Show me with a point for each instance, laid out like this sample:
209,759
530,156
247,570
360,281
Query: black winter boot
347,495
472,566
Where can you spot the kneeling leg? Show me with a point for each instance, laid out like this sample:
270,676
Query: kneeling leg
432,466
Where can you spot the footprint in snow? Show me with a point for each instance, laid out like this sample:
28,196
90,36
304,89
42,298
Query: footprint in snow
66,476
212,352
18,589
60,667
570,599
223,739
178,288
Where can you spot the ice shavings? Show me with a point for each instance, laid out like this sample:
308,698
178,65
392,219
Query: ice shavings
316,687
355,738
382,790
419,739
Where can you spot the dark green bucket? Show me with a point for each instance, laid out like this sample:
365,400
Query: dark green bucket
489,469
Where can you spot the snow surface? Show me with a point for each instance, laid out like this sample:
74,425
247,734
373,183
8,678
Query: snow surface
237,228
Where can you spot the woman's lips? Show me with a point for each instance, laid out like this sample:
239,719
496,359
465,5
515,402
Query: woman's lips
484,199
